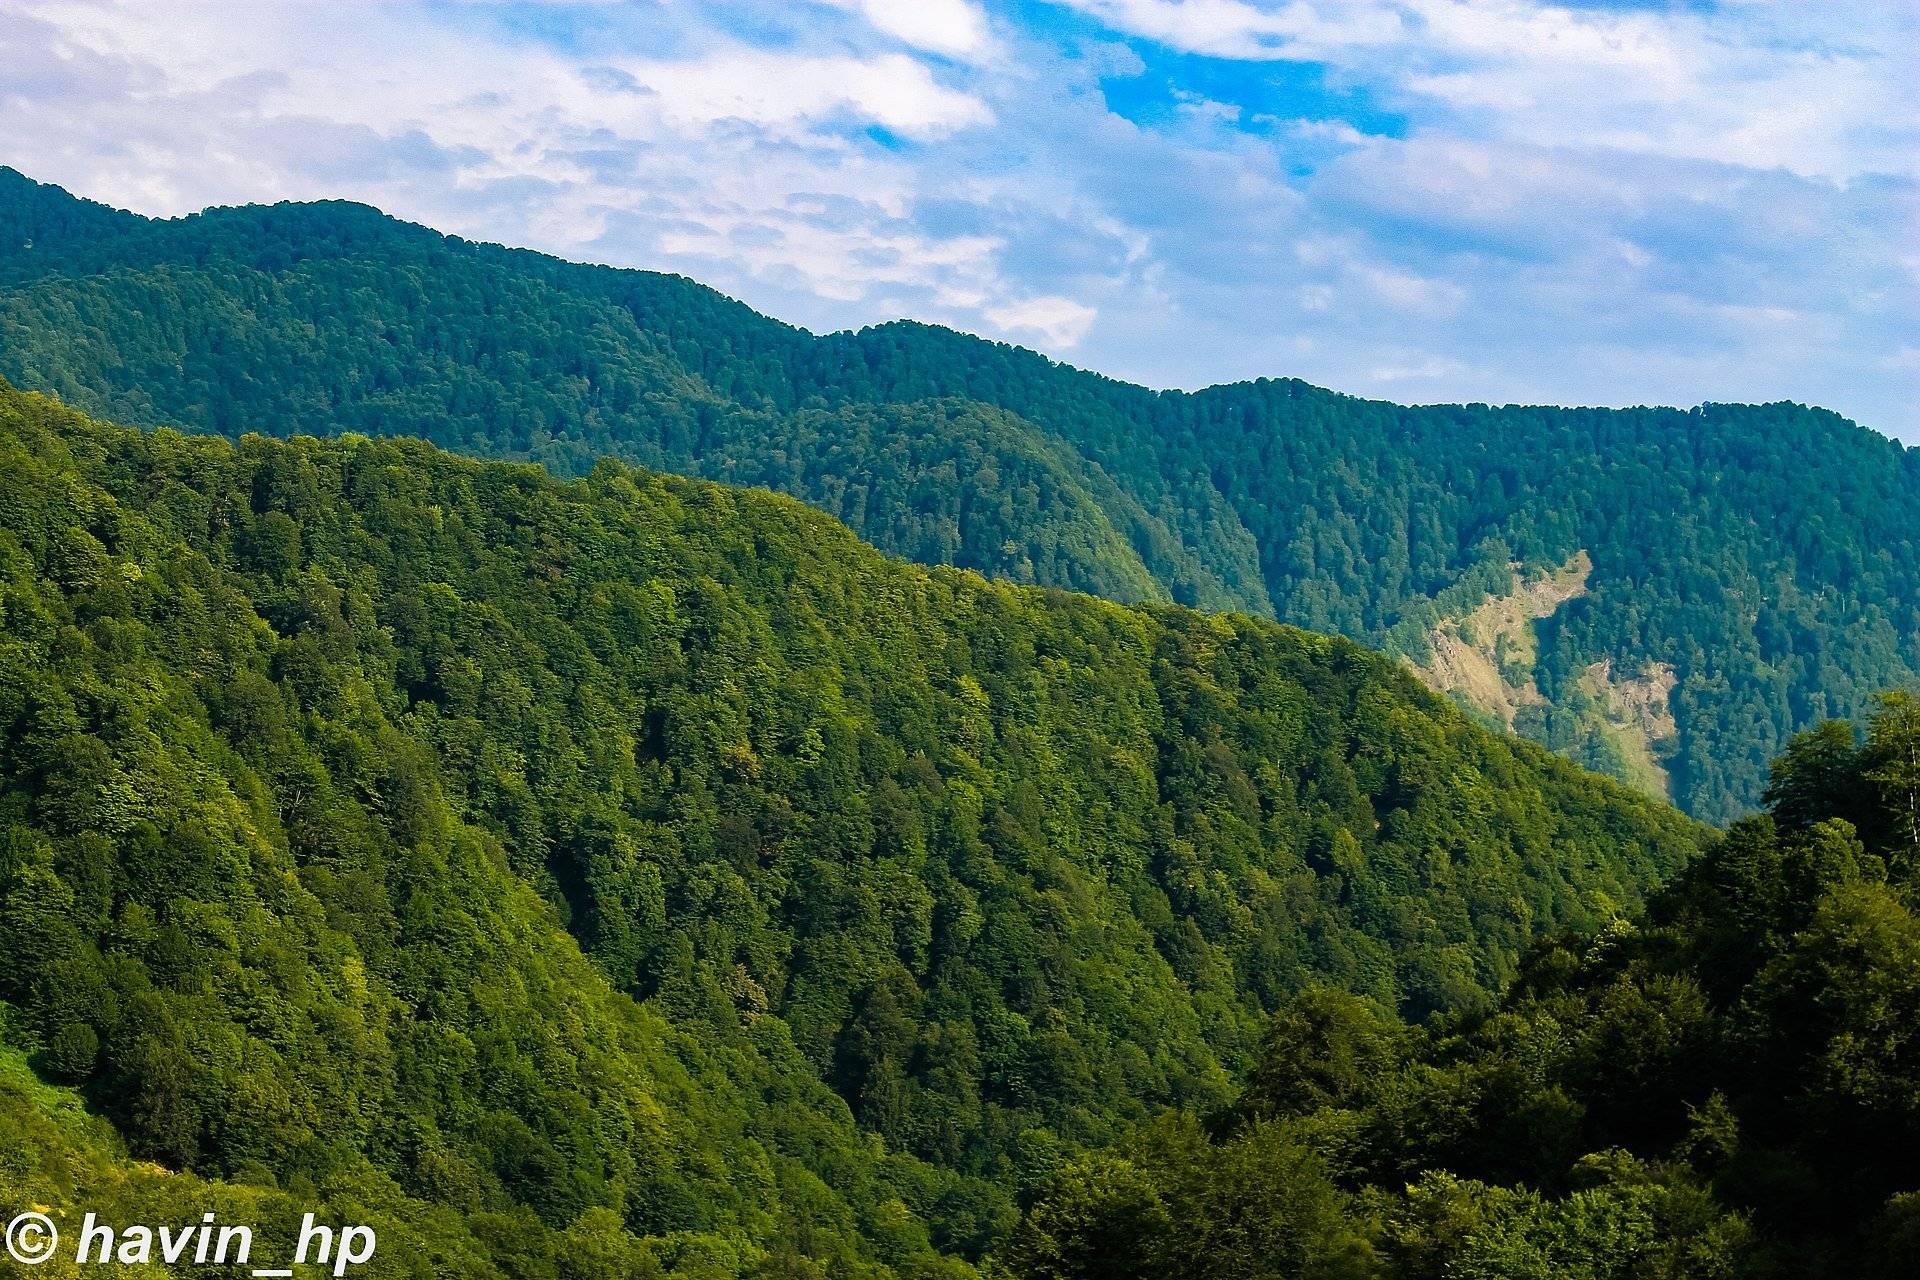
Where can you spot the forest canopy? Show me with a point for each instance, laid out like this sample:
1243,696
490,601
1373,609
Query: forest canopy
1753,569
631,875
1728,1087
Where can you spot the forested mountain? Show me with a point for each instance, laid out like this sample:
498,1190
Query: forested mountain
1731,1088
631,874
1752,570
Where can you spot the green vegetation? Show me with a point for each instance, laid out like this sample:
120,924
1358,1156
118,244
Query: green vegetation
635,868
581,872
60,1160
1731,1088
1762,558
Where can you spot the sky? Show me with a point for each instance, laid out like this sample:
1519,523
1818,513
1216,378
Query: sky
1590,202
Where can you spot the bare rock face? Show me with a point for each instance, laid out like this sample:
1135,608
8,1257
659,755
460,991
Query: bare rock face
1486,659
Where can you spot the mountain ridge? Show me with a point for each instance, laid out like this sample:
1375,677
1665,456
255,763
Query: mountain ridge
1761,552
15,179
633,864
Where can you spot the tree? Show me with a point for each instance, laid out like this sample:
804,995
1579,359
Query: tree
1099,1219
1893,744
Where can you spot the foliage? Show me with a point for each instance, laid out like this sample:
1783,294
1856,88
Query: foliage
1731,1088
1767,554
638,867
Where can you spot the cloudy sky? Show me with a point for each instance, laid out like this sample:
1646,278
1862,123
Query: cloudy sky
1595,201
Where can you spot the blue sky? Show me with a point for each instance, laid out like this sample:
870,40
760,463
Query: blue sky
1646,201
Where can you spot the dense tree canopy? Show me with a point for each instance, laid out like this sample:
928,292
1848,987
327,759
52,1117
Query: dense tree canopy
1729,1088
635,864
1765,555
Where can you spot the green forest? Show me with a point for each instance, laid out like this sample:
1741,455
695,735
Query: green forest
1755,567
596,783
1729,1087
629,875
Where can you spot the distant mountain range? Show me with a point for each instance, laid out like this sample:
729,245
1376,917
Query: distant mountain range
1665,595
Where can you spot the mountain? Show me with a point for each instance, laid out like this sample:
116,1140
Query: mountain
1727,575
635,868
1728,1088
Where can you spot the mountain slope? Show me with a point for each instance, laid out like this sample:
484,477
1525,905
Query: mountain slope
238,908
324,763
1728,1088
1764,556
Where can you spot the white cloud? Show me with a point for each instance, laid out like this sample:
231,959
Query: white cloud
956,28
1817,89
769,88
1060,321
1419,369
730,151
1744,87
1295,31
1410,292
844,263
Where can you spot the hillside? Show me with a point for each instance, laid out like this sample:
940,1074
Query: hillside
642,859
1753,567
1729,1087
